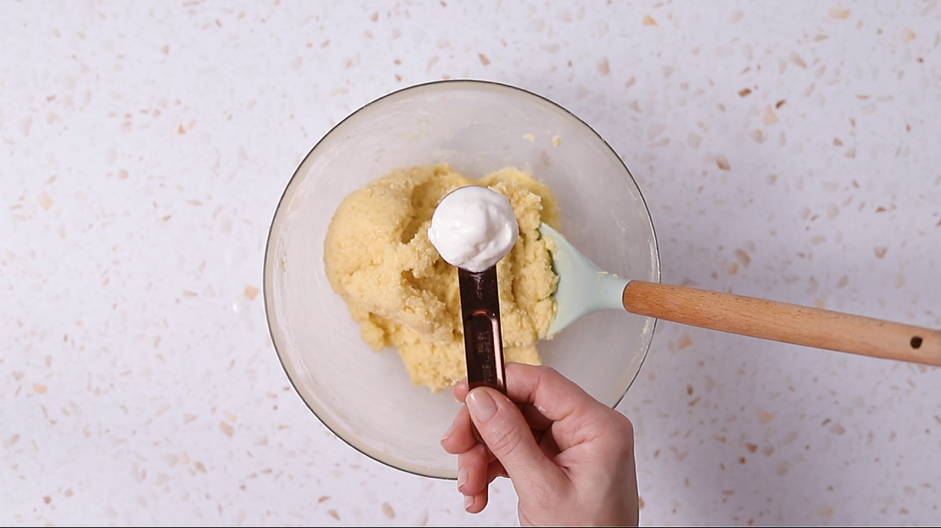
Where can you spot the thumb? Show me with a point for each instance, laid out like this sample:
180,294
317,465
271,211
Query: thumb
503,428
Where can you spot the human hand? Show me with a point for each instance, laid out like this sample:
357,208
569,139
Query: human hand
569,457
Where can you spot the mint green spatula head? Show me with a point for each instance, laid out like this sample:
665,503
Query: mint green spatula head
583,287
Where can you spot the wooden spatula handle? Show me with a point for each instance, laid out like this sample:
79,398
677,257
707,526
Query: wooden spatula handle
788,323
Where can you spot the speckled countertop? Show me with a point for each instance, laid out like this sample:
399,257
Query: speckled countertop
787,150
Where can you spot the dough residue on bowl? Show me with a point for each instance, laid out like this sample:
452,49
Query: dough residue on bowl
377,256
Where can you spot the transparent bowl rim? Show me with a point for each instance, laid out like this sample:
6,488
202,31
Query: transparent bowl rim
267,281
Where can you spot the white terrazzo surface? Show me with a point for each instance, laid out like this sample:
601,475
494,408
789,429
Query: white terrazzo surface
787,150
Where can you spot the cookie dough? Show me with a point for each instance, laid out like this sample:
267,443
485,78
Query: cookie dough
377,256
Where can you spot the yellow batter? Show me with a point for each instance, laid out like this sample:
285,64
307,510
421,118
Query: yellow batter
378,258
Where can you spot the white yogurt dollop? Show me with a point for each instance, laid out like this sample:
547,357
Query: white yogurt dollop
473,228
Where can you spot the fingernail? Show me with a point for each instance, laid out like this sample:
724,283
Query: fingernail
461,478
468,502
447,433
481,405
454,384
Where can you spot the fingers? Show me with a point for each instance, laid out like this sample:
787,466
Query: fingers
460,437
495,470
554,395
472,468
476,503
577,417
507,434
476,464
537,421
459,390
476,470
549,447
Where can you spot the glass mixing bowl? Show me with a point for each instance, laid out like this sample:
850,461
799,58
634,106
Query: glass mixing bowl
366,397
